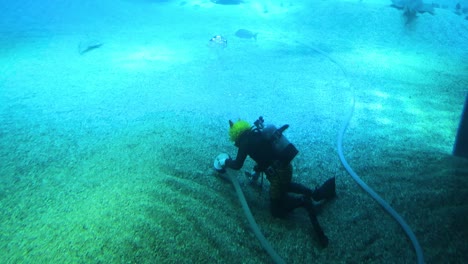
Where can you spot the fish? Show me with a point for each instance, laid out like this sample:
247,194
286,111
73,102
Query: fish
218,41
227,2
246,34
85,48
413,6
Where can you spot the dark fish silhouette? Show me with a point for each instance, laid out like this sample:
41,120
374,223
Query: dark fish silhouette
85,48
413,6
247,34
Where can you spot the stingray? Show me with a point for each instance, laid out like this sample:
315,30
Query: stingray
413,6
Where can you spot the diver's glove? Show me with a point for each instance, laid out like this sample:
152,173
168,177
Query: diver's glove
220,162
252,176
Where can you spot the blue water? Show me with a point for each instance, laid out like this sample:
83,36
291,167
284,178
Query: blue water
111,113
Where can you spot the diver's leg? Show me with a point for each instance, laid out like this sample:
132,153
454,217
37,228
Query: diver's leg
280,208
280,178
281,203
298,188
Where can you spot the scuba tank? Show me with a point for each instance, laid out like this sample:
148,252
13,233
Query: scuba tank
283,150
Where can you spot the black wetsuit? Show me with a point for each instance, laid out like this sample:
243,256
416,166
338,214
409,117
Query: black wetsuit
279,174
252,144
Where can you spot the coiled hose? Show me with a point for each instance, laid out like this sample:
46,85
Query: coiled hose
372,193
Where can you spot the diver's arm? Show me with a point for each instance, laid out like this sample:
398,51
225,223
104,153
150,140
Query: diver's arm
238,162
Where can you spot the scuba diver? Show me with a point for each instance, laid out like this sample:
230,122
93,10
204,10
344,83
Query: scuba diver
273,154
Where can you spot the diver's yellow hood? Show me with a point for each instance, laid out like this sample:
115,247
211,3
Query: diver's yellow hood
237,128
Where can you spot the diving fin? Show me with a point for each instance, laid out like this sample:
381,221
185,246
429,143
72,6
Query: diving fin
326,191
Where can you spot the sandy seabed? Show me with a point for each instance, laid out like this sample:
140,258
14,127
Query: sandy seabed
106,156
